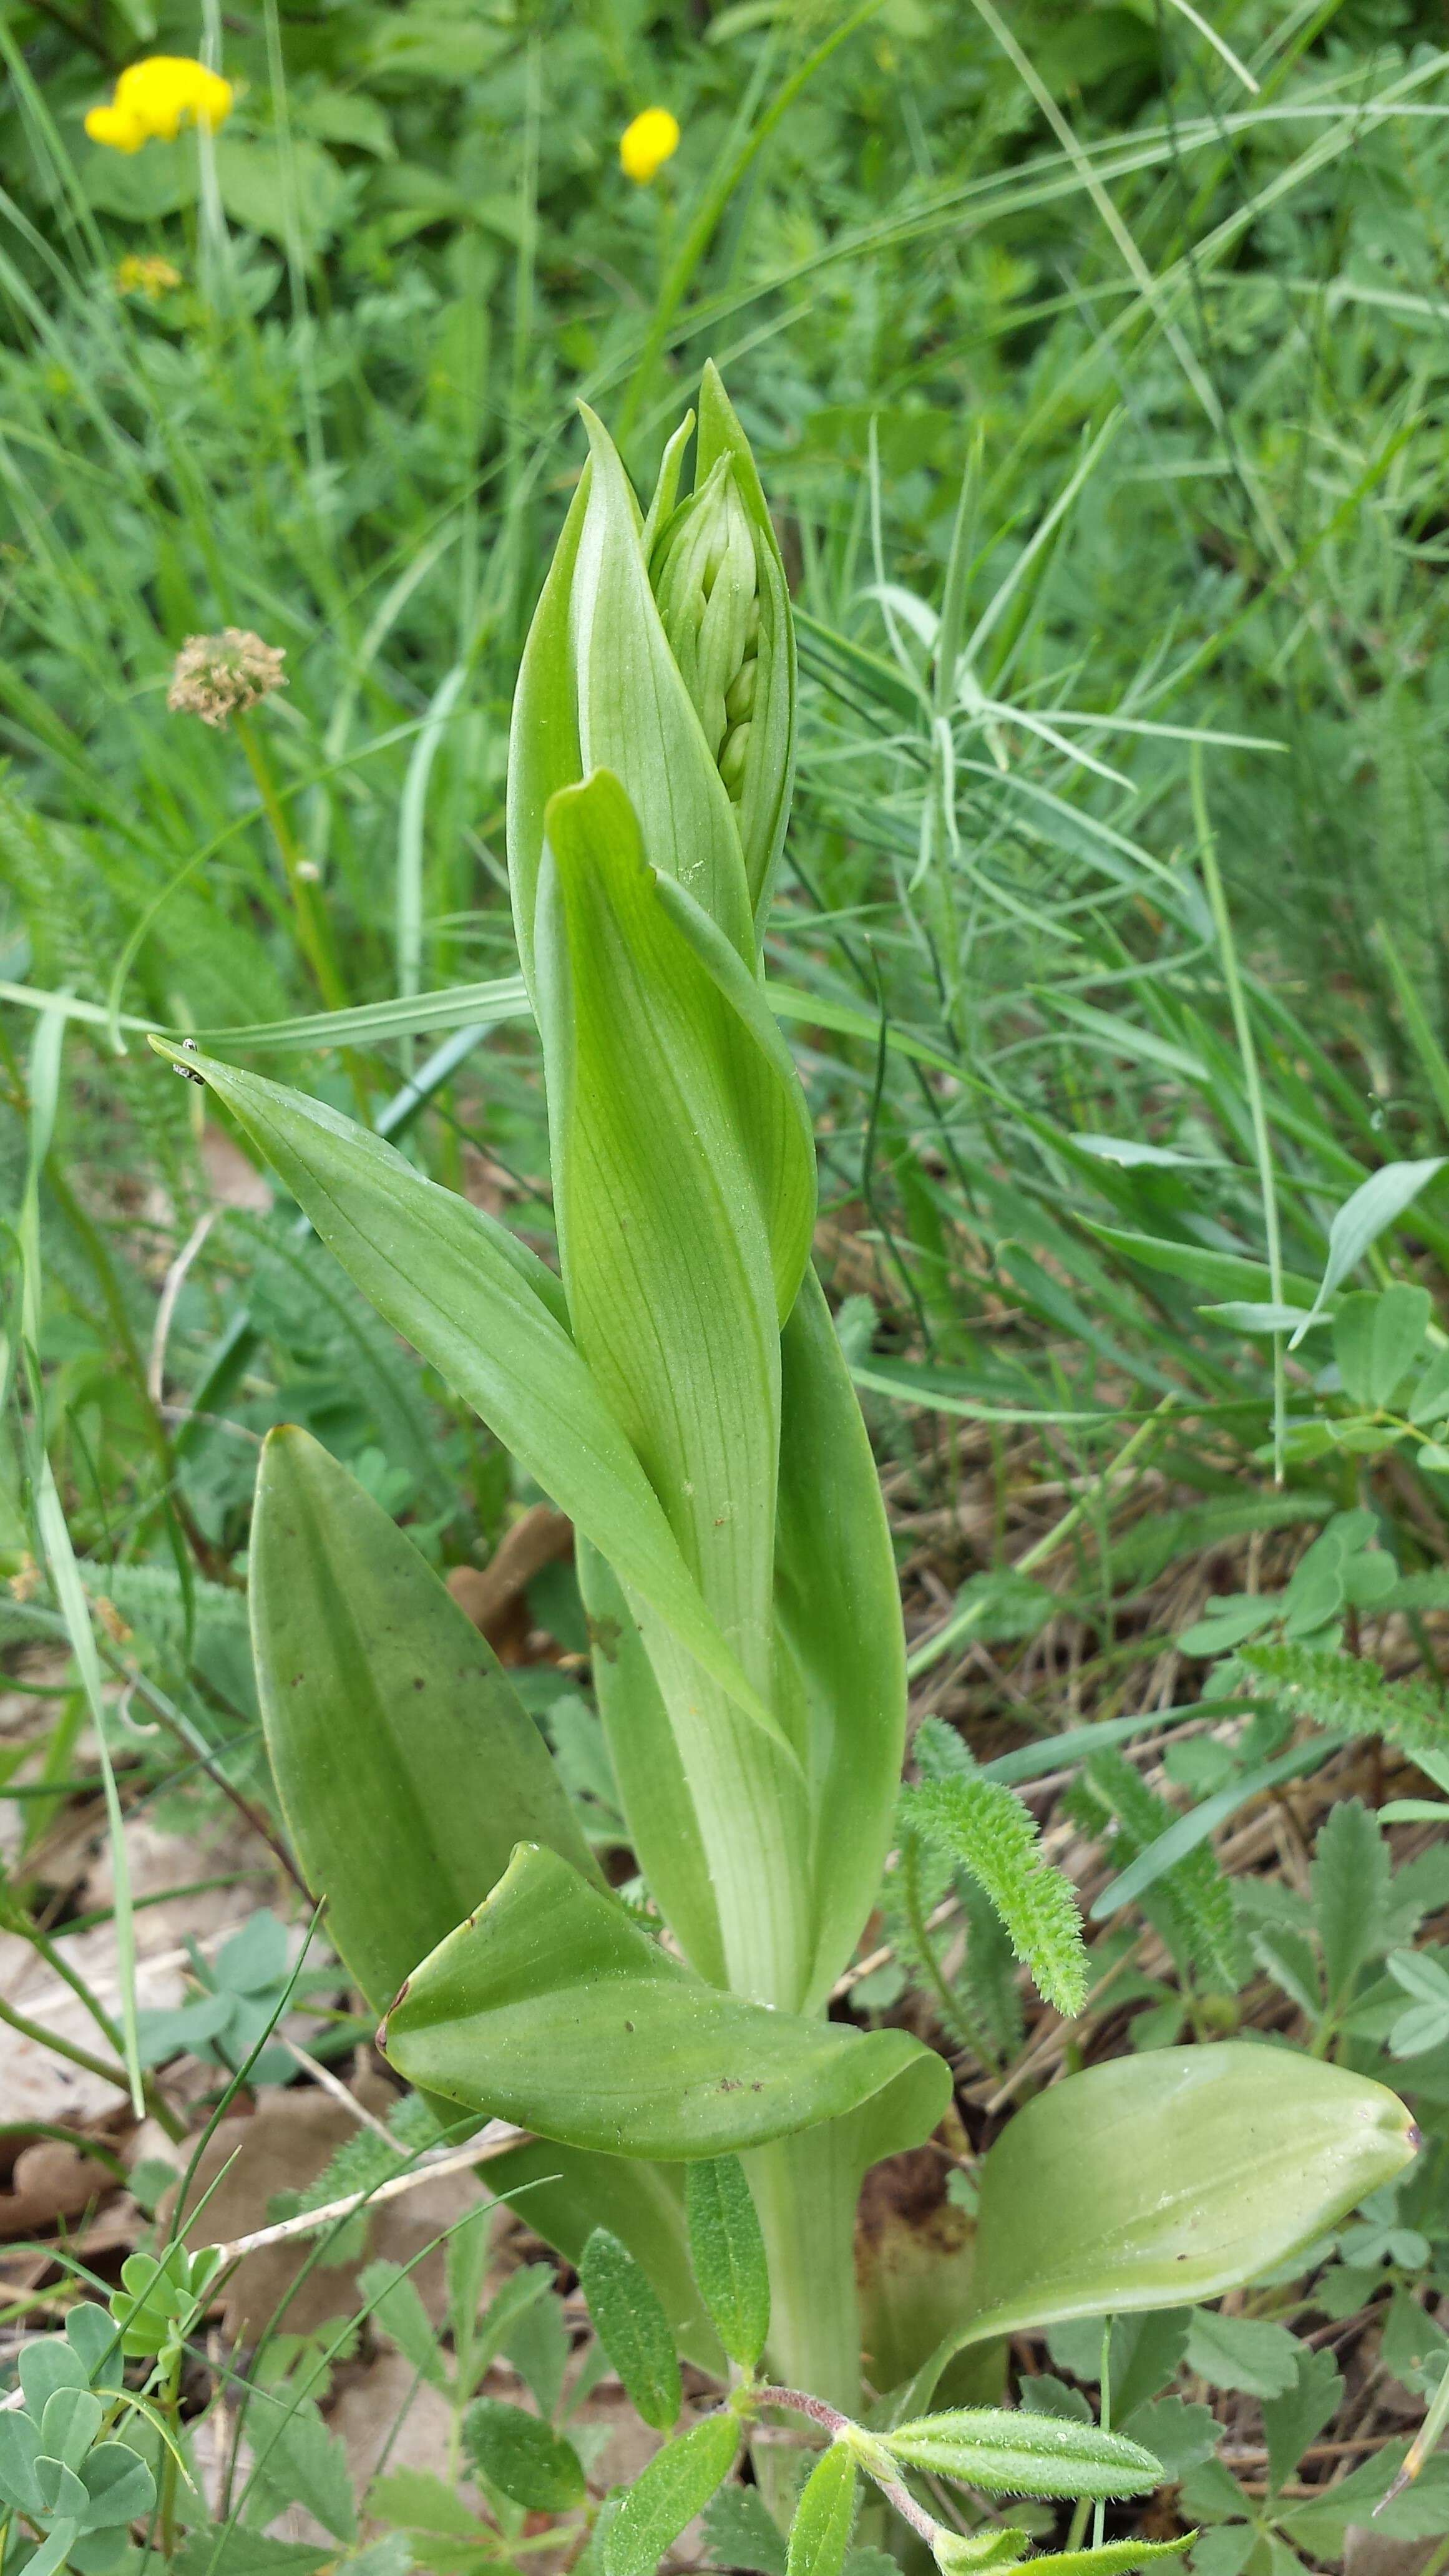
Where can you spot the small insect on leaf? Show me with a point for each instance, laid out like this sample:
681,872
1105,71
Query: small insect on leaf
523,2456
677,2484
820,2532
632,2327
728,2255
1020,2454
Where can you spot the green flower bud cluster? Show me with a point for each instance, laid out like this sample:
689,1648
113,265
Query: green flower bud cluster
705,579
719,586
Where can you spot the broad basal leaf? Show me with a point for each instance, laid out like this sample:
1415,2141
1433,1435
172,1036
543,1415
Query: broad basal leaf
1149,2181
406,1766
552,2007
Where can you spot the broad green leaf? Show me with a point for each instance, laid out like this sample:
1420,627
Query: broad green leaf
493,1321
406,1766
69,2425
1172,2177
120,2487
632,2327
728,2254
523,2456
676,2485
1249,2353
1376,1337
820,2532
1015,2453
552,2007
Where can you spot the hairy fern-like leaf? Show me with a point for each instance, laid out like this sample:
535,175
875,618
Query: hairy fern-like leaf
981,1827
1354,1693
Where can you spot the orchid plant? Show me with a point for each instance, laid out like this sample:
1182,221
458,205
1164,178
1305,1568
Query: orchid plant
678,1390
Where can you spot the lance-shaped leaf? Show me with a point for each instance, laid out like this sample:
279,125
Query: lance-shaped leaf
684,1193
676,2485
632,2327
837,1600
406,1765
820,2532
1016,2453
599,688
553,2007
1152,2180
728,2253
493,1321
653,1785
570,2192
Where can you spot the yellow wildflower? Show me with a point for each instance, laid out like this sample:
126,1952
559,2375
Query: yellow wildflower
156,98
647,144
150,277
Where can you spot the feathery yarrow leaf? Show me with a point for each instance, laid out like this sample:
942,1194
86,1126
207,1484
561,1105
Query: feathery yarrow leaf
1353,1692
985,1829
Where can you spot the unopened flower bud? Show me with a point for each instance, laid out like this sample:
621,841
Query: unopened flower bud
719,583
734,753
705,581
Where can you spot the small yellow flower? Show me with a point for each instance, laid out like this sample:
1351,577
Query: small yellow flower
152,278
647,144
156,98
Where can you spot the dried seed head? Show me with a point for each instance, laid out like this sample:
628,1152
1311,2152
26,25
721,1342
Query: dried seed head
221,675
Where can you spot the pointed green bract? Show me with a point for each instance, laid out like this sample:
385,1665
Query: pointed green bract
760,773
599,688
551,2006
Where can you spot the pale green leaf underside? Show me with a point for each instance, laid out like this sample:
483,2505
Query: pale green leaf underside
1170,2177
